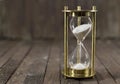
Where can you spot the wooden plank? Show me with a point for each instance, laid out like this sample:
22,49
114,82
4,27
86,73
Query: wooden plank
2,44
69,81
113,18
33,66
89,81
28,30
52,75
9,53
26,18
106,58
11,65
5,47
115,45
13,20
102,74
32,79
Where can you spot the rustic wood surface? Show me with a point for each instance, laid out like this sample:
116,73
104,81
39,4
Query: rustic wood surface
34,19
38,62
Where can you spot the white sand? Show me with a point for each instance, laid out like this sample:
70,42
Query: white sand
81,28
78,66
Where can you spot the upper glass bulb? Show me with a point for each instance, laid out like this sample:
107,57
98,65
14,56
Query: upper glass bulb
80,27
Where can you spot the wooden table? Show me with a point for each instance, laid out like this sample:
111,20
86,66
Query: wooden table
38,62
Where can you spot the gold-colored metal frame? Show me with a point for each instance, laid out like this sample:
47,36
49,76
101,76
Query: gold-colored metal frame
89,72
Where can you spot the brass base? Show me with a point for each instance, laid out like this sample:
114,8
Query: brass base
86,73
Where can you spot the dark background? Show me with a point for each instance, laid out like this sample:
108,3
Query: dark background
36,19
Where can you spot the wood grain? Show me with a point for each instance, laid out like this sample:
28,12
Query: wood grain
52,75
35,19
33,66
107,60
39,62
9,53
11,65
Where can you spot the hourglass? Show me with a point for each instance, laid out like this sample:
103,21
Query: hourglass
80,64
80,29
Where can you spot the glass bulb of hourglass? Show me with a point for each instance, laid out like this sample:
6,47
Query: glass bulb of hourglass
80,27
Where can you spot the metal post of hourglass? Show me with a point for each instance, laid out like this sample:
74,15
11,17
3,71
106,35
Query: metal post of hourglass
65,41
89,72
93,39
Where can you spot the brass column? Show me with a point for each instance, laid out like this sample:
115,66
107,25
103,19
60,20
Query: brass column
65,40
93,39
